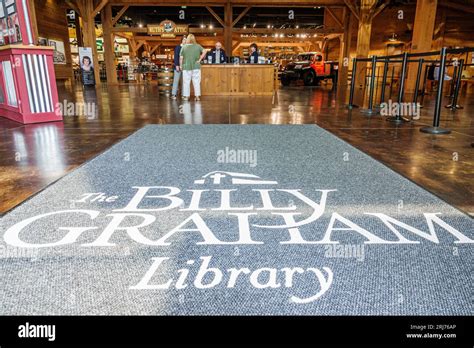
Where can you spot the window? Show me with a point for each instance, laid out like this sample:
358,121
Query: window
9,83
302,57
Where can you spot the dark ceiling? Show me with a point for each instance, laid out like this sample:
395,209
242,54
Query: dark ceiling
262,17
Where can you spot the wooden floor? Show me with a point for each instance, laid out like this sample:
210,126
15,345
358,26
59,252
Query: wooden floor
34,156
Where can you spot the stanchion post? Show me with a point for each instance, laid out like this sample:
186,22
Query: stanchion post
391,83
384,81
435,129
454,104
418,77
353,78
398,118
370,110
425,77
453,82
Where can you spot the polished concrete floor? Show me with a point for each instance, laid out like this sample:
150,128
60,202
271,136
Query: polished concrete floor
34,156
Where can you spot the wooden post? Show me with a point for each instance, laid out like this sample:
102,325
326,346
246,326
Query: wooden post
440,32
345,49
423,31
109,45
228,28
363,44
77,22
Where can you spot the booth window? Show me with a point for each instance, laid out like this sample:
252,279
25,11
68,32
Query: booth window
9,83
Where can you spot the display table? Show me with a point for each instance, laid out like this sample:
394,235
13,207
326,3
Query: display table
243,79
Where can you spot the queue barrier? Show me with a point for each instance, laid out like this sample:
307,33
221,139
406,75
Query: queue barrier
405,59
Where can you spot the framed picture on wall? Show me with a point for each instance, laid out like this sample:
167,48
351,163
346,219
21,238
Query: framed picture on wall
59,51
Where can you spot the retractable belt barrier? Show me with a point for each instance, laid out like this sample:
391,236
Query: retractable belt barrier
421,79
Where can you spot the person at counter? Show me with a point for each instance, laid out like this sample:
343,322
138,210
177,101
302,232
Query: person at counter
253,58
217,55
177,68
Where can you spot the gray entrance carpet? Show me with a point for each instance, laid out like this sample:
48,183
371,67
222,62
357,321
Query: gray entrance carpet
235,220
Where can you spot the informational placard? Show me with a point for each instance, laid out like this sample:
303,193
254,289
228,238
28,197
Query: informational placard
86,61
59,51
10,32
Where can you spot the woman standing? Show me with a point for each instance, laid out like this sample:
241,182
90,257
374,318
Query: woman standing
191,56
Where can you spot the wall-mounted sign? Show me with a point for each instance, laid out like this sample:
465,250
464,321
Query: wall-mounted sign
167,29
59,51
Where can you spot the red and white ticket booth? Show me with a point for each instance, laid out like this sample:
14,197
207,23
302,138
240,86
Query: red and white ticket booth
28,91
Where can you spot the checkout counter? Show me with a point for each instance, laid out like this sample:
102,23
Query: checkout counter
238,79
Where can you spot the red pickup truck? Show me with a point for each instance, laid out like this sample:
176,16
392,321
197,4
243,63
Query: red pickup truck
309,67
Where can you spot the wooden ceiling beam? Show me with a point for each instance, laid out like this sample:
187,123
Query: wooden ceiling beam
457,6
73,5
153,50
285,31
235,3
333,15
100,7
239,17
236,31
216,16
353,9
120,14
145,30
380,8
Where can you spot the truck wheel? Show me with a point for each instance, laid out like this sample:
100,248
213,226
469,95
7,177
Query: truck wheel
285,81
309,78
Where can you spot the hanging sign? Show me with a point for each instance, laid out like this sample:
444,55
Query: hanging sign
167,29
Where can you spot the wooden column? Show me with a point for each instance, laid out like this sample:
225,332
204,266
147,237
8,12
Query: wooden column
345,49
77,22
109,45
363,44
422,39
228,28
440,32
88,14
